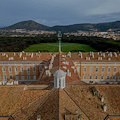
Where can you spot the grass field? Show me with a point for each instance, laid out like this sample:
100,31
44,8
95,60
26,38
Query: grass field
54,47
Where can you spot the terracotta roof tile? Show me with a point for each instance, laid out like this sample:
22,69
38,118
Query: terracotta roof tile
29,110
13,98
91,104
49,110
67,106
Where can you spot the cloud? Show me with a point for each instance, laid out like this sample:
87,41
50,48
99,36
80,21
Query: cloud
106,7
52,12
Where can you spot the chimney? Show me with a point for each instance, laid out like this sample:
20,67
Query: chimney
7,56
104,107
80,117
76,112
102,98
32,55
38,117
20,55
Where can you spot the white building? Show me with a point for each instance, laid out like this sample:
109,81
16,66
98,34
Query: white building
59,79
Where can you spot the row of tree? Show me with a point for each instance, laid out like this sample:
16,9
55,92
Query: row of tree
98,43
10,44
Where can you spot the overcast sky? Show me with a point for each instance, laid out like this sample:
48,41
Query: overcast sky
59,12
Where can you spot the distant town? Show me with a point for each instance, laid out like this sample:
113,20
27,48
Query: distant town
111,33
108,34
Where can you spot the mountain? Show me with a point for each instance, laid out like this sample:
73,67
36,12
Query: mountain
87,27
28,25
32,25
72,28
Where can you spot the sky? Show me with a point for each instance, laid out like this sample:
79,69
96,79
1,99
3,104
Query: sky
59,12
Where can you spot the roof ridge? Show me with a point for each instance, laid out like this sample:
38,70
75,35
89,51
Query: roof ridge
50,105
76,104
32,102
53,90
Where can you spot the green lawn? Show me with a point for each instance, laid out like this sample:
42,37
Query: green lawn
65,47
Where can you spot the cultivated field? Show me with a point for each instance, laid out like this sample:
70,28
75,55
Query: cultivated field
54,47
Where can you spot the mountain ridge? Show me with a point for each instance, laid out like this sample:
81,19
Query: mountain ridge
32,25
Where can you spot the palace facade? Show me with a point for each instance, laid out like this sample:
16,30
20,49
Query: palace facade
23,67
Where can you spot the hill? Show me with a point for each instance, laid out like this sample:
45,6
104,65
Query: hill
72,28
28,25
87,27
32,25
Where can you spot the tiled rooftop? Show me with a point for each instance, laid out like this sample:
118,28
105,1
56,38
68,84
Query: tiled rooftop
58,104
91,104
29,110
91,56
24,56
13,98
96,56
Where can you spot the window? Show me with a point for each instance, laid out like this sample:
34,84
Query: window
34,69
108,77
28,77
16,77
10,76
28,69
102,69
108,69
96,77
96,69
10,69
4,77
102,77
22,77
91,69
113,76
119,77
3,69
84,76
40,68
114,69
90,76
34,77
85,69
16,69
22,69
